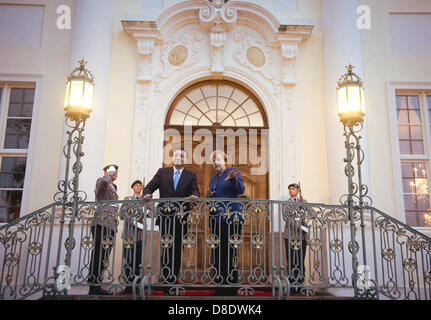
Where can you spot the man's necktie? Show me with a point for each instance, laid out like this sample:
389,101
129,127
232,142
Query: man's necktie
176,178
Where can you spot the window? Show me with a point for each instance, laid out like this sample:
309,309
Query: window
410,125
414,137
217,103
16,110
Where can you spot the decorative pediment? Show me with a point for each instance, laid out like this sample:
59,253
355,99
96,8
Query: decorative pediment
218,18
234,34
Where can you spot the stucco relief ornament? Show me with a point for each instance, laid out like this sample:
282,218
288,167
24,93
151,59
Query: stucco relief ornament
179,52
140,159
137,169
289,52
289,97
178,55
145,51
255,54
218,17
145,76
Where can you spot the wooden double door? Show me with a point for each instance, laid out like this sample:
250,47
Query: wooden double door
251,158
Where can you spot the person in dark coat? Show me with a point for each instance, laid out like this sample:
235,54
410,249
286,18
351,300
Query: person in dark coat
133,233
226,220
103,228
172,182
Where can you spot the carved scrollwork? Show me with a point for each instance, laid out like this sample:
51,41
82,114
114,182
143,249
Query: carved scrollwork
166,241
289,52
179,52
145,51
255,54
217,17
189,241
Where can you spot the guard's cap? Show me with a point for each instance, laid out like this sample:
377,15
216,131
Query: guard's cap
111,168
135,182
294,185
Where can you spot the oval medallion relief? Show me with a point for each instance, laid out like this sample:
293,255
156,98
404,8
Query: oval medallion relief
256,56
178,55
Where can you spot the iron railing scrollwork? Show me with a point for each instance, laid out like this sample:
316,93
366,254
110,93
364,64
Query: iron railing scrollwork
393,261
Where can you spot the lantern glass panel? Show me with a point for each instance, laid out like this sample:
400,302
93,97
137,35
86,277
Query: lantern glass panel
88,97
76,93
66,99
342,100
353,99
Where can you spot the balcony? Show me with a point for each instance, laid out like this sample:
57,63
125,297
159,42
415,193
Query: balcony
208,245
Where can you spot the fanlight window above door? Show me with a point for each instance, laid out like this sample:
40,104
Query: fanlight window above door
216,103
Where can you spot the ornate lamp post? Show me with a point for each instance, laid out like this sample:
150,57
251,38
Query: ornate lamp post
351,110
78,106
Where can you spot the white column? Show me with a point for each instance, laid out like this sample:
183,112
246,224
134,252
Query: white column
92,40
341,46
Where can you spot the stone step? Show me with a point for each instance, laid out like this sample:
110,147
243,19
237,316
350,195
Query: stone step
320,295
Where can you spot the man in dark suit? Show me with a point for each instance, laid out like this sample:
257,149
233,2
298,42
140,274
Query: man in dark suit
172,182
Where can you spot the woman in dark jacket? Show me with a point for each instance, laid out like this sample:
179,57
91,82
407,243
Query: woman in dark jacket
225,221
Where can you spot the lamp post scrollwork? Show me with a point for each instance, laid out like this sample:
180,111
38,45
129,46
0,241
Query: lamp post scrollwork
351,111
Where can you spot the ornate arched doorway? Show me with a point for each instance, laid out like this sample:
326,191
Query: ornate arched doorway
220,114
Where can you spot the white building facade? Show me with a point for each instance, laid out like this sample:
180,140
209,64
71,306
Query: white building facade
287,54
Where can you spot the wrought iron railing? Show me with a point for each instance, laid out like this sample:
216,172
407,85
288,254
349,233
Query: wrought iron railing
214,244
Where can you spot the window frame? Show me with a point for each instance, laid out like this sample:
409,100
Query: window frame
235,86
8,81
4,109
421,89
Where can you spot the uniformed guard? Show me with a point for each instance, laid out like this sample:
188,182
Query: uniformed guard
103,228
295,237
133,232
